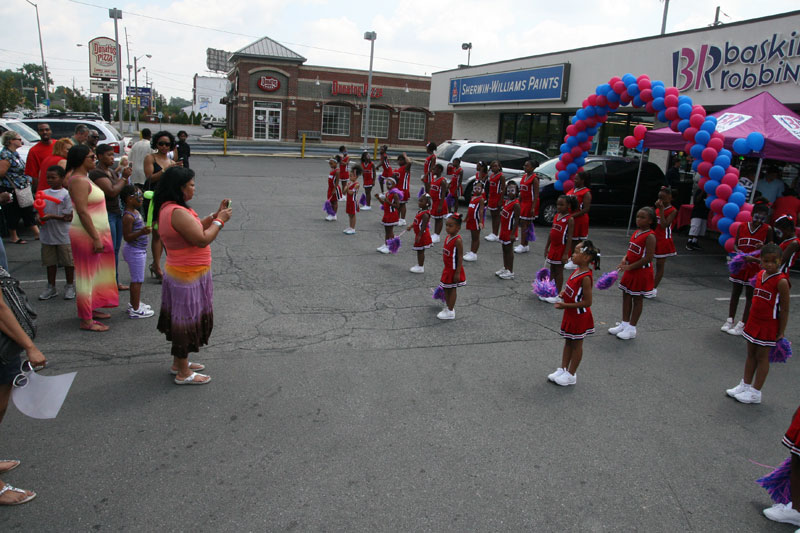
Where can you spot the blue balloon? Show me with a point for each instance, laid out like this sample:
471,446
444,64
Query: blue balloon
755,141
730,210
589,111
683,99
564,148
711,119
640,147
702,137
572,141
716,172
683,125
628,78
573,119
582,136
724,224
633,89
697,151
558,185
723,161
724,238
740,147
592,131
658,103
727,153
611,96
710,198
637,101
708,126
662,116
684,110
695,164
741,190
572,168
711,186
658,90
563,175
737,198
656,83
581,114
579,161
602,89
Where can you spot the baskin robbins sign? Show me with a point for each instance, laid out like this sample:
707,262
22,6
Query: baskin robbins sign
103,58
537,84
769,60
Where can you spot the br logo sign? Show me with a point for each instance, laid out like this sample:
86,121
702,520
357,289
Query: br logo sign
269,84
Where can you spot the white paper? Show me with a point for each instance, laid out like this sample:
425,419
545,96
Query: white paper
42,396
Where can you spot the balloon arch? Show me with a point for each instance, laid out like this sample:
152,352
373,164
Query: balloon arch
726,197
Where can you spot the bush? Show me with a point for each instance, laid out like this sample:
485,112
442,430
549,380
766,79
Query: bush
219,133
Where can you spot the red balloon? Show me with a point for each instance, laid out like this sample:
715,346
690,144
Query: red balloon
590,122
703,168
613,105
696,120
646,94
592,99
560,165
568,186
715,220
743,217
717,205
672,91
571,130
601,100
718,135
709,154
732,170
671,113
639,131
729,244
746,207
580,125
700,184
730,180
567,158
585,103
576,151
619,87
698,110
625,98
689,134
580,169
723,191
614,80
586,145
734,228
649,107
643,77
567,136
673,125
716,144
644,84
671,100
630,141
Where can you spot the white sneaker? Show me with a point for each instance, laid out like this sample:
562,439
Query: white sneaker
435,238
566,379
50,292
141,304
349,231
652,294
417,269
401,222
554,375
781,512
506,275
69,292
330,218
142,312
628,333
334,218
492,237
519,249
501,271
366,208
727,325
383,249
737,329
750,395
470,256
741,387
570,265
446,314
619,327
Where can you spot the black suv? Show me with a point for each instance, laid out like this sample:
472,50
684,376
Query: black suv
612,183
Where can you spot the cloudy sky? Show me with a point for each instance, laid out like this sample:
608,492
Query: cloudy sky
414,36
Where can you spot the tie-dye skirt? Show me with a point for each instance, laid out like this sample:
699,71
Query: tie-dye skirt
187,313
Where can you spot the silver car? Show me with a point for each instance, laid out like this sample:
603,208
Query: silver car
29,136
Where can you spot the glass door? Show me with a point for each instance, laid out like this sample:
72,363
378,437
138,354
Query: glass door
274,124
267,121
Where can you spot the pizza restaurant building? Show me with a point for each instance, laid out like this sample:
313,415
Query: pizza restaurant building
274,96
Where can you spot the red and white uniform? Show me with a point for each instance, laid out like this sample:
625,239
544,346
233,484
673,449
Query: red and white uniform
749,240
352,199
638,282
792,438
451,278
558,239
527,184
404,182
793,258
455,182
422,236
762,324
665,247
391,216
334,191
577,322
344,174
387,168
507,222
427,168
495,191
369,174
474,216
439,206
581,229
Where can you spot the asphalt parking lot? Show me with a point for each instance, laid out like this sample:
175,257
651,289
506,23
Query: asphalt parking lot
339,401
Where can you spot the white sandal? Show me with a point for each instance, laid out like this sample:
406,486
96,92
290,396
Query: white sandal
198,368
191,379
16,461
8,487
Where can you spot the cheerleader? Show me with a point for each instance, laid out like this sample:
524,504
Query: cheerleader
334,189
352,206
403,174
438,187
482,175
750,236
422,232
509,225
785,512
665,247
496,188
577,323
391,211
637,277
368,168
788,241
344,161
556,251
427,167
455,188
386,168
528,204
581,193
453,274
766,324
475,213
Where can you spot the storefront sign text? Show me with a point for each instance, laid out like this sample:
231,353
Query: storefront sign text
102,58
791,124
354,89
268,84
543,83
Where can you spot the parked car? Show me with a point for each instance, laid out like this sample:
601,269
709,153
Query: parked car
65,127
612,182
213,122
29,136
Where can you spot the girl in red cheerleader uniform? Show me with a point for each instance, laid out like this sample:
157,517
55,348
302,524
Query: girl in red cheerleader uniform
391,211
352,207
788,513
344,162
495,187
556,251
665,247
334,189
438,192
583,194
422,232
384,165
453,274
637,277
750,236
509,225
528,204
482,175
368,168
456,179
427,167
766,324
403,174
475,213
577,323
789,243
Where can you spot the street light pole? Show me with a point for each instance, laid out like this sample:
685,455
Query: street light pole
116,14
369,36
128,64
468,48
41,49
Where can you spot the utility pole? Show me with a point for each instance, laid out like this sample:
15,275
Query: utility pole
664,17
128,53
41,49
369,36
116,14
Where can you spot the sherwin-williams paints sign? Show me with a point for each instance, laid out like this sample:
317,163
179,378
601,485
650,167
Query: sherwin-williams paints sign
537,84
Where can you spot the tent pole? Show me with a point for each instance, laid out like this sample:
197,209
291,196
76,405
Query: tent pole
758,173
635,192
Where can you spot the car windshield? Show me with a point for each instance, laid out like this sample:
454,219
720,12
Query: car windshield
548,168
447,150
25,131
114,131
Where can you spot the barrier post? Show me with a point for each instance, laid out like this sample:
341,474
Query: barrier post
375,152
303,147
224,142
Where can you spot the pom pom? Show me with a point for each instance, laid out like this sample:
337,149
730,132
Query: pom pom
328,208
781,352
545,288
736,264
777,484
393,244
438,293
607,280
396,192
451,200
421,192
363,200
543,273
530,234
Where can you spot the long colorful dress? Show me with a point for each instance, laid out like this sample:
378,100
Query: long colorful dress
95,274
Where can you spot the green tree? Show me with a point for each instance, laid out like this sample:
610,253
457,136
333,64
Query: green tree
74,99
28,80
9,96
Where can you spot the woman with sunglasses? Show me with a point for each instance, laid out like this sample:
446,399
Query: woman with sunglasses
12,177
154,166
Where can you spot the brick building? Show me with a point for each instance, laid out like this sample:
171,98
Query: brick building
274,96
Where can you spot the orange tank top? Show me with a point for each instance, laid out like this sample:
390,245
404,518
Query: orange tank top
179,251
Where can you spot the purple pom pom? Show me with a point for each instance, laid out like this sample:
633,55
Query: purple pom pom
781,352
438,293
393,244
607,280
531,233
545,288
753,281
328,208
543,273
736,264
777,484
363,200
397,192
421,192
451,200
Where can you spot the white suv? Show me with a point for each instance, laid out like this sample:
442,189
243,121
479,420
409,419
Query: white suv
29,136
65,127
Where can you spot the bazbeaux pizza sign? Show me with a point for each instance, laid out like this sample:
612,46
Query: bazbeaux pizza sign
103,58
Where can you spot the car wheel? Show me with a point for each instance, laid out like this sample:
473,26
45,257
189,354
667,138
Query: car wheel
547,213
207,126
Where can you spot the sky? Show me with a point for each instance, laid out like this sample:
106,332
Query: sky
414,36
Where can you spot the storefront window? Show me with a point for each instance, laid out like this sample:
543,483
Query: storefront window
378,123
540,131
335,120
412,125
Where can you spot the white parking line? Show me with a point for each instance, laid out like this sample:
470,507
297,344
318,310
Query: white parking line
742,298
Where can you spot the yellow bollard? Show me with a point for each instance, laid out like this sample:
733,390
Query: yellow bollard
224,142
375,153
303,147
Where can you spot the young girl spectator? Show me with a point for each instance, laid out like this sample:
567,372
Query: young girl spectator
750,236
577,323
391,211
135,249
509,224
54,234
427,167
455,188
344,162
453,274
699,220
182,149
766,324
386,171
637,277
334,189
556,251
788,241
475,213
528,203
437,185
403,183
496,188
583,195
352,188
665,247
368,168
422,232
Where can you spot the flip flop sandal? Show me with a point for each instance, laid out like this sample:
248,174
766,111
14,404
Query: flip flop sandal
197,367
20,241
15,461
92,328
8,487
191,381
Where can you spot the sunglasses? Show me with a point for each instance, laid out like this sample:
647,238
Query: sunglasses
162,143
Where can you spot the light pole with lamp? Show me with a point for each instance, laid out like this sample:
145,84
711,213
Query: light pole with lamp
41,49
369,36
136,85
116,14
468,48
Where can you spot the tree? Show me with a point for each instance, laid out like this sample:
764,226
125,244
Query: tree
9,96
29,77
75,100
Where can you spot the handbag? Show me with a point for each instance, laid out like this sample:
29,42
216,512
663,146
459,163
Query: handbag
16,300
24,196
